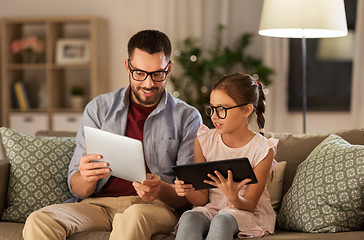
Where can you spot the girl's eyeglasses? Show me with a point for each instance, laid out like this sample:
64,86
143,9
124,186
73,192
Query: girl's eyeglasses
221,111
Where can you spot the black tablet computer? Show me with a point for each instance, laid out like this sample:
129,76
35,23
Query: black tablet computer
196,173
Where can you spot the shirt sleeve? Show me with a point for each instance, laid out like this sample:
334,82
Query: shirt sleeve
263,148
202,134
186,146
89,118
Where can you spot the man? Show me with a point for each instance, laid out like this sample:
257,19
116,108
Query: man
145,111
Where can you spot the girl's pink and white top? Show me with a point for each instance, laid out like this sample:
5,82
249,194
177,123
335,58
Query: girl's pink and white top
256,224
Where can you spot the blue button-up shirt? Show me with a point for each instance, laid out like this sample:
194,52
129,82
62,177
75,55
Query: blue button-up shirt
169,131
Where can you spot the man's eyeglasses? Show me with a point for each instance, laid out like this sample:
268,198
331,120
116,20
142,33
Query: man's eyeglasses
140,75
220,110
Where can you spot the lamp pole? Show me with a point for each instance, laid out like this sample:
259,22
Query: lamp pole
304,80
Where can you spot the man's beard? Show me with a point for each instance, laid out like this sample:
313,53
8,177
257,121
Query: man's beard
134,92
146,102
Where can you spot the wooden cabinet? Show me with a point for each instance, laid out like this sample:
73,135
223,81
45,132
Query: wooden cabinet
28,122
74,54
66,121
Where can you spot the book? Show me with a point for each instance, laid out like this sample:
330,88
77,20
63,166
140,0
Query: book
14,97
21,96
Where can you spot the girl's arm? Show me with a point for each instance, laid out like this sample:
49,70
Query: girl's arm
198,197
231,189
252,196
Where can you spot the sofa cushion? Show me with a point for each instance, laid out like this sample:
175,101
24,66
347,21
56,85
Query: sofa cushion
295,148
4,180
38,172
274,185
327,191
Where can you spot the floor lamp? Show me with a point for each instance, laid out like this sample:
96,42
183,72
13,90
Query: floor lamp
303,19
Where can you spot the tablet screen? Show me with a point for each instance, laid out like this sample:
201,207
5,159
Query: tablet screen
196,173
125,155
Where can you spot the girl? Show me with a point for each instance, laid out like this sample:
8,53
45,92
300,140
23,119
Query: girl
233,208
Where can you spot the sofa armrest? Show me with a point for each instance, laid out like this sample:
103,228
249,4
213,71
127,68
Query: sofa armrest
4,177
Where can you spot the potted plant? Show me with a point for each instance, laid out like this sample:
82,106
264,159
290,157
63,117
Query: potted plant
30,49
77,97
200,68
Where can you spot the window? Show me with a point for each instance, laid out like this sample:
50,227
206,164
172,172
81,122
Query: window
328,80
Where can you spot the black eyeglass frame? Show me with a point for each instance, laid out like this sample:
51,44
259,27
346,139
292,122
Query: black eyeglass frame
148,73
214,109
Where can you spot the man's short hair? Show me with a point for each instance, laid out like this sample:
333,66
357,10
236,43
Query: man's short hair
150,41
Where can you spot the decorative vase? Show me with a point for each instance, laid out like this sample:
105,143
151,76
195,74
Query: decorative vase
77,102
29,57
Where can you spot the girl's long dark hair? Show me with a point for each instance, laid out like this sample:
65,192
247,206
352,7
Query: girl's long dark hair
244,89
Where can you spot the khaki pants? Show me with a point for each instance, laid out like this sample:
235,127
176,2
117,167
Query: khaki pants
129,218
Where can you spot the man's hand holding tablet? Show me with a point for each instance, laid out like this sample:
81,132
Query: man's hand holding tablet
124,155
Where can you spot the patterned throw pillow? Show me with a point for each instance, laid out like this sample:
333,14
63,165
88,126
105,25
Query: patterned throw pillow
38,172
327,192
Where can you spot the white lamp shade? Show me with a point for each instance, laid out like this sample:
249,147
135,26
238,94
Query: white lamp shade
303,18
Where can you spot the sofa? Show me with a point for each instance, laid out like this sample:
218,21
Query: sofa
292,149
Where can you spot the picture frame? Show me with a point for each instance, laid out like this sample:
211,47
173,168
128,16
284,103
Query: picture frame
72,51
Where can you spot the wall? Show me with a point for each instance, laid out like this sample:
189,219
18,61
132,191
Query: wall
127,17
178,19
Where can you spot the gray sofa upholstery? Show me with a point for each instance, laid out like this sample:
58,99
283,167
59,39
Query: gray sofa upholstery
292,148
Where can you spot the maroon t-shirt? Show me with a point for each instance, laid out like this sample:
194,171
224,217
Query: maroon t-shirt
115,186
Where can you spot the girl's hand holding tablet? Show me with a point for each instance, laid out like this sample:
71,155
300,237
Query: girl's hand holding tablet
183,189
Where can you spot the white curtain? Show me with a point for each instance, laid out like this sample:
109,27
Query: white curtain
357,96
196,19
189,18
276,56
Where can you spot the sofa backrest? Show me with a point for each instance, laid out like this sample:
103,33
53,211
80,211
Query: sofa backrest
48,133
294,149
4,180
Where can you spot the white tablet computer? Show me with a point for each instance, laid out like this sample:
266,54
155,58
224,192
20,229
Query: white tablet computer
125,155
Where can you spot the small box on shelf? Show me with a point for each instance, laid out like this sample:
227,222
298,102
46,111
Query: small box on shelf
28,123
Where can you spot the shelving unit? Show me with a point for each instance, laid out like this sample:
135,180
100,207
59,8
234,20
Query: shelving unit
48,83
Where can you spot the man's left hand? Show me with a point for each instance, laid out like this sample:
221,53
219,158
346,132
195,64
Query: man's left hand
148,189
